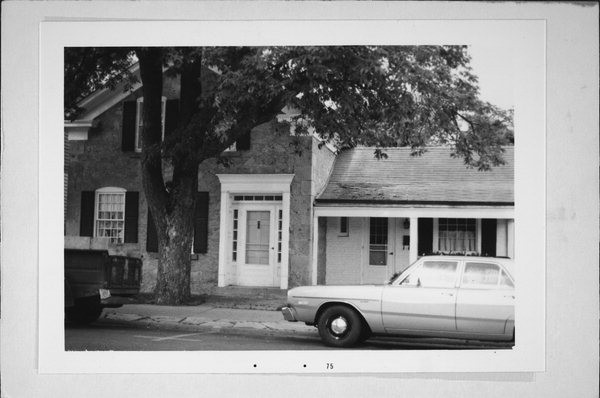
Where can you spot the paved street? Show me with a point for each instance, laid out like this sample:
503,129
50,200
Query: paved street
128,332
114,336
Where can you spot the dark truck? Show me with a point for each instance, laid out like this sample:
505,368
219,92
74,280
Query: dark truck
94,280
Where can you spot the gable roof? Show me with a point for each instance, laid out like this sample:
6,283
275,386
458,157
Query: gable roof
432,178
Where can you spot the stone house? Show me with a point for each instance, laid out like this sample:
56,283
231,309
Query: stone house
287,211
244,211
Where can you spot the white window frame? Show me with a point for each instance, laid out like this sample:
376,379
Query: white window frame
138,120
108,191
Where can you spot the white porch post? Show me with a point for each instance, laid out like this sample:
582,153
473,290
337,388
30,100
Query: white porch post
510,237
478,234
285,239
222,278
435,247
501,244
414,237
315,249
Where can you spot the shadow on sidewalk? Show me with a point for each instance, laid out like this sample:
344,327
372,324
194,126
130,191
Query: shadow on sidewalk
266,299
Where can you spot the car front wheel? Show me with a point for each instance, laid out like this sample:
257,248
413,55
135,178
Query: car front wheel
340,326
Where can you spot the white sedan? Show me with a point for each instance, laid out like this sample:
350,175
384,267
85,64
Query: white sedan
438,296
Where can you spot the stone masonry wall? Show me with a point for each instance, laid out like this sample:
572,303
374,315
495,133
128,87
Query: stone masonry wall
272,151
323,159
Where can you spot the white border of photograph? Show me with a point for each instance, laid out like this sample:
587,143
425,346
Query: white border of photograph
527,39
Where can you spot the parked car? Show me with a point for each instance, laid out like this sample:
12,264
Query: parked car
463,297
94,280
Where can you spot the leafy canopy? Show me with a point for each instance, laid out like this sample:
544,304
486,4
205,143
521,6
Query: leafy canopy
380,96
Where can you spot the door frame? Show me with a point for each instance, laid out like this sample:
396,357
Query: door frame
243,268
260,184
391,266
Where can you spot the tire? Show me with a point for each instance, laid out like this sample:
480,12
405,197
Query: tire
340,326
83,312
365,335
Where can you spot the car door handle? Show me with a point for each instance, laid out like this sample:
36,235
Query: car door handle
447,294
512,296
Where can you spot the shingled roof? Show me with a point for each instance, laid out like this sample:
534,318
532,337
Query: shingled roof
432,178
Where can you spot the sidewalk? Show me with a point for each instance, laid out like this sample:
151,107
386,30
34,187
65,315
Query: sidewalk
204,316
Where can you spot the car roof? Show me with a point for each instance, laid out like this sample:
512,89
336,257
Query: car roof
506,262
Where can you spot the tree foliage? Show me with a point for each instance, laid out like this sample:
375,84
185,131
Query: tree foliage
88,69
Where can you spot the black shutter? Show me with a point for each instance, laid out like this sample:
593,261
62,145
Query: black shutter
129,120
243,143
488,237
425,235
86,222
201,223
131,217
171,116
151,237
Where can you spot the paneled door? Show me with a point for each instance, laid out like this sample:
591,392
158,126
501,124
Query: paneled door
257,261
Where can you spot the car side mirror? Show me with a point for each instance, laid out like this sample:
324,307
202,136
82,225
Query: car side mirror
418,282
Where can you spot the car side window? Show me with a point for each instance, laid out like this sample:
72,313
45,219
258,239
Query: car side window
433,274
481,275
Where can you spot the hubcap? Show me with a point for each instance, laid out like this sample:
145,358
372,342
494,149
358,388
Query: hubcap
339,325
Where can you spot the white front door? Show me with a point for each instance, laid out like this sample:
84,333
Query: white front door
378,266
258,245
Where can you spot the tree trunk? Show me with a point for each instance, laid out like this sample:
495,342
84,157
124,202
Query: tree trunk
172,203
174,257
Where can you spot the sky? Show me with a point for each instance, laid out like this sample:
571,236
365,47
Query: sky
494,67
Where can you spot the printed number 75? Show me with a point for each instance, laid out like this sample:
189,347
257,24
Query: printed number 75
330,366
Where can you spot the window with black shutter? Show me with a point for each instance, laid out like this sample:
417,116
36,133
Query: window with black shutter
131,216
86,221
110,213
129,126
201,223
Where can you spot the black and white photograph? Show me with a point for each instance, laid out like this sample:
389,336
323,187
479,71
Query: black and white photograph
293,194
302,198
212,194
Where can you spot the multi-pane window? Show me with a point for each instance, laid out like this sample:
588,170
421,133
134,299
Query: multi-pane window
110,214
235,236
378,241
257,198
140,121
279,233
457,235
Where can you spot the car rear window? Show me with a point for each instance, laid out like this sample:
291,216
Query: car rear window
484,275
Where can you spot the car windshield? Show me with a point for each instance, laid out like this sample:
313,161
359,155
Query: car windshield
393,278
396,275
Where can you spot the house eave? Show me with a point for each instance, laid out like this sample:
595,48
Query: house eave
77,130
409,203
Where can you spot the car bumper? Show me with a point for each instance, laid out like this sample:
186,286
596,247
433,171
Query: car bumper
289,314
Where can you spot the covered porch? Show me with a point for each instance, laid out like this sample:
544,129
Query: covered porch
366,244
